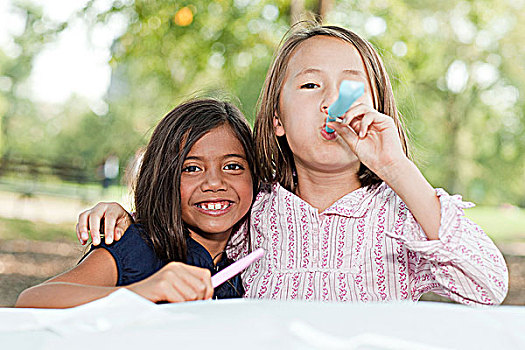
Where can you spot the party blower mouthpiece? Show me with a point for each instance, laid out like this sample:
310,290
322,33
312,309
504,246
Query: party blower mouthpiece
349,91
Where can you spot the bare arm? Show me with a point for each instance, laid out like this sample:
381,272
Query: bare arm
96,276
419,196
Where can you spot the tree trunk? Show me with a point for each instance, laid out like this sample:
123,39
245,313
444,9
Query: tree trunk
320,10
296,11
323,7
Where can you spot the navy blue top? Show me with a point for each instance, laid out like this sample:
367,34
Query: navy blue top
136,260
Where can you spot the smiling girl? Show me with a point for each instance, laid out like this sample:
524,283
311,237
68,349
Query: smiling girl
194,190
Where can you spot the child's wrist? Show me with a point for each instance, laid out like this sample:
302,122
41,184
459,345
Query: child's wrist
404,177
396,170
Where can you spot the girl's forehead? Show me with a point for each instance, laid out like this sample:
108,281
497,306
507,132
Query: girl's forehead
219,140
324,52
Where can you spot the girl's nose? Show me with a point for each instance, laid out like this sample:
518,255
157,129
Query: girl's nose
330,96
213,181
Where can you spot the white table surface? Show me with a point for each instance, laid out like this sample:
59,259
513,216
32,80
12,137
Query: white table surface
124,320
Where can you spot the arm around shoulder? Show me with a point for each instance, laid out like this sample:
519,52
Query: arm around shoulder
113,216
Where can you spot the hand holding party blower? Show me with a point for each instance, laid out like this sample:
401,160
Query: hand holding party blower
349,91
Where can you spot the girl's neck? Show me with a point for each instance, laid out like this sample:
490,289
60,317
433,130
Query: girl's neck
321,190
214,244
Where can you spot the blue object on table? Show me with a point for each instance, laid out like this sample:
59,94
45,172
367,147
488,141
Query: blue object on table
349,91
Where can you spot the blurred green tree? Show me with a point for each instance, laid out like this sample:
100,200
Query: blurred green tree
18,113
456,68
457,72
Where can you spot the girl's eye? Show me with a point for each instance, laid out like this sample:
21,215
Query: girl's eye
309,86
190,169
234,166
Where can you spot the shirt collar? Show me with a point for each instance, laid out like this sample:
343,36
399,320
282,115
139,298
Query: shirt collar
198,256
354,204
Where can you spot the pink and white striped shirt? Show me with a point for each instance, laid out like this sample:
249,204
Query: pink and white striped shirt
368,247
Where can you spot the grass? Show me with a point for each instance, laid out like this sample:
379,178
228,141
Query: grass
501,224
35,195
25,229
87,192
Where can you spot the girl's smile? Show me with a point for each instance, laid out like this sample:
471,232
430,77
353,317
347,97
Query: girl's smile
214,207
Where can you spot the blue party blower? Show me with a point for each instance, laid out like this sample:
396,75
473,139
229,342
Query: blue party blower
349,91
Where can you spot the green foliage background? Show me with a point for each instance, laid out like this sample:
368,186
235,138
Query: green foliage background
469,140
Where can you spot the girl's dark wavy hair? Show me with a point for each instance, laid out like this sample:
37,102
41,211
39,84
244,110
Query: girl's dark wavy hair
276,162
157,189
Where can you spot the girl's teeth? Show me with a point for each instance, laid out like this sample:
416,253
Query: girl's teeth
214,206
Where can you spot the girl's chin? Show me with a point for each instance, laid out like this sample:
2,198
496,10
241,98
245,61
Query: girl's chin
332,159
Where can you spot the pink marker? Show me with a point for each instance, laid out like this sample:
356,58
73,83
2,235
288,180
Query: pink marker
236,268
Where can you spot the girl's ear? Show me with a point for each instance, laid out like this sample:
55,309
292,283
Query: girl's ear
278,126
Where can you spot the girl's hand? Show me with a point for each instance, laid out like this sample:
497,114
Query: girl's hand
373,137
175,282
116,222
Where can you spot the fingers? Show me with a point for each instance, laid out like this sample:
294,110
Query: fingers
119,232
176,282
364,125
362,119
372,136
111,212
347,133
109,228
356,125
204,281
191,282
358,118
83,227
116,220
94,226
121,220
192,286
79,235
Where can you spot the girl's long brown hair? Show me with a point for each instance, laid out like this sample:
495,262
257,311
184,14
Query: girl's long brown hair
274,154
157,190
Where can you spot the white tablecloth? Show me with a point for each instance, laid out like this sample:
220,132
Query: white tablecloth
124,320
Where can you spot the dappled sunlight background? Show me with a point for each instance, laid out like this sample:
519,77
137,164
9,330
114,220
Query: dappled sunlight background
83,83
